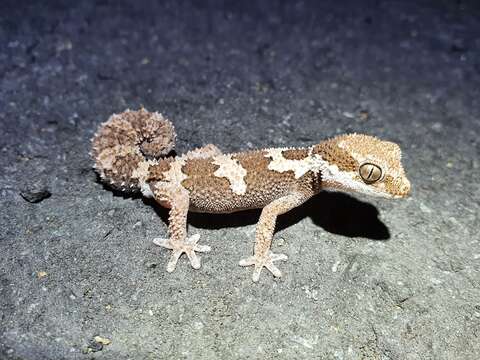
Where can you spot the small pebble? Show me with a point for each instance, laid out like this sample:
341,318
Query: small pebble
151,265
96,344
437,127
364,115
93,347
35,195
102,340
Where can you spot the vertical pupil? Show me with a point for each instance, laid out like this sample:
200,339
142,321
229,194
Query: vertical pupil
369,177
370,172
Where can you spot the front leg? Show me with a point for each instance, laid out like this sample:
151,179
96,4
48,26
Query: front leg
177,199
262,256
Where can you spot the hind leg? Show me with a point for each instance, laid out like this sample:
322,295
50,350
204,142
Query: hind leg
177,199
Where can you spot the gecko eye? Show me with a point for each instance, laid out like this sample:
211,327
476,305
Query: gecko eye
370,173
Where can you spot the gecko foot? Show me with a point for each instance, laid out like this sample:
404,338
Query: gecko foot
265,261
188,246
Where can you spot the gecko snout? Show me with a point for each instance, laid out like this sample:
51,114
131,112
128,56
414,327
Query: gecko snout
404,189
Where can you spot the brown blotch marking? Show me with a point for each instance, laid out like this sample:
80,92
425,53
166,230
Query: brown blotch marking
330,152
256,164
295,154
263,181
311,182
200,176
157,172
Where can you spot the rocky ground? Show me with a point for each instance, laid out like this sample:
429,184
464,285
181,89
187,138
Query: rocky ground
366,278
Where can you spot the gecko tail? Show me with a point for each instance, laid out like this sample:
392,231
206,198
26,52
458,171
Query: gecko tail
125,146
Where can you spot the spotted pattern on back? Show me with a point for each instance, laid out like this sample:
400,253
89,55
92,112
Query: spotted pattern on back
280,164
210,193
230,169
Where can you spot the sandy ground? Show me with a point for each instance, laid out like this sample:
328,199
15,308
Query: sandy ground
366,278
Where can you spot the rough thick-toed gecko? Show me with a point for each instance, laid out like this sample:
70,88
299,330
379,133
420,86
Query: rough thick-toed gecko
131,152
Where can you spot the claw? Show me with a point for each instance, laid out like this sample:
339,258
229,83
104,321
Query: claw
162,242
188,246
172,263
265,261
194,259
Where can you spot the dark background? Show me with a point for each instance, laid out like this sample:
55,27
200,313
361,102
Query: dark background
366,278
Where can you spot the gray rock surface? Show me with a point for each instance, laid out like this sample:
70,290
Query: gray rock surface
366,278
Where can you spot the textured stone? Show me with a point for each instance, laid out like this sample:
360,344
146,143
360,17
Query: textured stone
367,278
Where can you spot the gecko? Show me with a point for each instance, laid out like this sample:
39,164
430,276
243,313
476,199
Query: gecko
132,152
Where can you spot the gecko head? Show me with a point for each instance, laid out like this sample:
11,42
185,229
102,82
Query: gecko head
364,164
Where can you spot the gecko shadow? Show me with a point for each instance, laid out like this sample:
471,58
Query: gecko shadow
335,212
